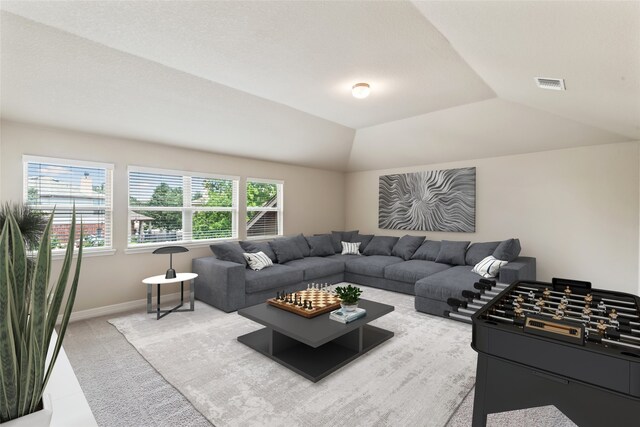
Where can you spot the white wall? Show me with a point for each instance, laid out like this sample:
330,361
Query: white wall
313,198
575,210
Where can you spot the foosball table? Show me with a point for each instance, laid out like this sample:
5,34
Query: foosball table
563,344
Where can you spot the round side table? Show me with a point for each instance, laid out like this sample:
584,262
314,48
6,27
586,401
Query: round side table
161,280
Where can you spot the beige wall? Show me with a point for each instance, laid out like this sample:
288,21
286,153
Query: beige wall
575,210
313,199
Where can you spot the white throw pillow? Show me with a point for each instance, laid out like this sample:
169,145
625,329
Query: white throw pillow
258,261
350,248
489,267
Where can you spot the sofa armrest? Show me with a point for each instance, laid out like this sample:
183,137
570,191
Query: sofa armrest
523,268
219,283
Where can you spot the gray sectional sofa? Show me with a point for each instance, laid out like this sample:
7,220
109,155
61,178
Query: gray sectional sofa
432,271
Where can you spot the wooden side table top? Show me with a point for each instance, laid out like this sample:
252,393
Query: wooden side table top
161,280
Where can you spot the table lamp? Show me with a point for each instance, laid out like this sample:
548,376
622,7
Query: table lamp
171,273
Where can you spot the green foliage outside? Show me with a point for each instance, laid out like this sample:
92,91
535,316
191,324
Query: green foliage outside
206,224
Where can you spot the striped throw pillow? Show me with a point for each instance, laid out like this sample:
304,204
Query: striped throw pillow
489,267
258,261
350,248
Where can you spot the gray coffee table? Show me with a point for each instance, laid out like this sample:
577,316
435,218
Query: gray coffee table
315,347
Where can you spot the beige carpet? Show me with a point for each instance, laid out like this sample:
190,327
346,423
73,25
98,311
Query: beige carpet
418,378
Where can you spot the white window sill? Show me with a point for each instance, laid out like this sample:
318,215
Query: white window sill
86,253
264,237
143,249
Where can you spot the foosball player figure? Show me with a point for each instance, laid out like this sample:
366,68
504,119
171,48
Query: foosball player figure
602,327
559,314
588,298
546,293
540,305
613,317
586,312
518,311
567,291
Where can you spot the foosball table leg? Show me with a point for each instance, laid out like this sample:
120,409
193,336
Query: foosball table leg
479,404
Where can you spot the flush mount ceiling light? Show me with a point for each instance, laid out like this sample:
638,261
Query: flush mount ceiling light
360,90
550,83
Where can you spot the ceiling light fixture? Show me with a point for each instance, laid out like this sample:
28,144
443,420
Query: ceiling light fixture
360,90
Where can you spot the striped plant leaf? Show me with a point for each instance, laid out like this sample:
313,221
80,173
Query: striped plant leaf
28,313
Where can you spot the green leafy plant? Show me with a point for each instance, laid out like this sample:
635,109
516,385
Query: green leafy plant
349,294
30,222
29,309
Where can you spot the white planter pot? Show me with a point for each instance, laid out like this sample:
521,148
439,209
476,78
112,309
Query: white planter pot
348,308
41,418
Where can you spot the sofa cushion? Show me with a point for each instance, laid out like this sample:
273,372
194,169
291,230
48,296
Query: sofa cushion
447,284
406,246
489,267
350,248
258,261
380,245
286,249
255,247
452,252
275,277
302,243
320,245
370,265
346,236
364,240
413,270
479,251
428,251
230,251
344,258
508,250
316,267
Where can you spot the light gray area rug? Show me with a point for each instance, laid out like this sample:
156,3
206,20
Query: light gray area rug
418,378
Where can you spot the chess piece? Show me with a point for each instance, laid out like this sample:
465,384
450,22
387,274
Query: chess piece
305,304
310,305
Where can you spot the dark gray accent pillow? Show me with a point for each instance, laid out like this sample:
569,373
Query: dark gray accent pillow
286,249
302,243
337,237
231,251
406,246
508,250
255,247
479,251
381,245
428,251
452,253
364,240
320,245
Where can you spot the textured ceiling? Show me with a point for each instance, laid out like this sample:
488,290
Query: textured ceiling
271,80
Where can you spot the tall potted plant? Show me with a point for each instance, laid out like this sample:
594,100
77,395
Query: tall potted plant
29,309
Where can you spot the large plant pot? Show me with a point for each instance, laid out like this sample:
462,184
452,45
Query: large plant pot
41,418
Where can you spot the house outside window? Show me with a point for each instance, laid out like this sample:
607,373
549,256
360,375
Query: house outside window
264,208
168,206
61,184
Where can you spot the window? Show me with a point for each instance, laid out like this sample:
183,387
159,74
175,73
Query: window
57,183
264,207
171,206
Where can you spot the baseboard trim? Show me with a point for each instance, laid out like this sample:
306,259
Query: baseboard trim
116,308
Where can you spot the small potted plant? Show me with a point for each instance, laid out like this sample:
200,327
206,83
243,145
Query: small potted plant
349,295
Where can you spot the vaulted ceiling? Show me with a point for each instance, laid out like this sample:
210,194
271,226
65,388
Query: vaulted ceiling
271,80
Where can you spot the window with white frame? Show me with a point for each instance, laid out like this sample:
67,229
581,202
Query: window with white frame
61,184
173,206
264,207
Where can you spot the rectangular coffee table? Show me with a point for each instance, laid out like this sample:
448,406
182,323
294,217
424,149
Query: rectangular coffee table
315,347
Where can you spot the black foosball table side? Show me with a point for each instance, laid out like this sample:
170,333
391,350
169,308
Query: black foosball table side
517,371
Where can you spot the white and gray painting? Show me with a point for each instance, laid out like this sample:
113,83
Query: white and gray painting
442,200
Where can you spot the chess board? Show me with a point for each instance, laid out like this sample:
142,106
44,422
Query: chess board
322,302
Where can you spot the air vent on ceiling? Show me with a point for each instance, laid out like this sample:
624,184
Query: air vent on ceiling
552,84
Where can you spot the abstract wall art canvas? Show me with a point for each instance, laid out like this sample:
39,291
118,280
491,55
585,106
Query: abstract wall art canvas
442,200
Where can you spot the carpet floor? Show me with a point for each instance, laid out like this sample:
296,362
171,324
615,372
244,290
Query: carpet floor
123,389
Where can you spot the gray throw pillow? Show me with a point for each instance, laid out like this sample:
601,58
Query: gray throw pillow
428,251
302,244
508,250
286,249
381,245
479,251
321,245
231,251
363,239
452,253
255,247
406,246
337,237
